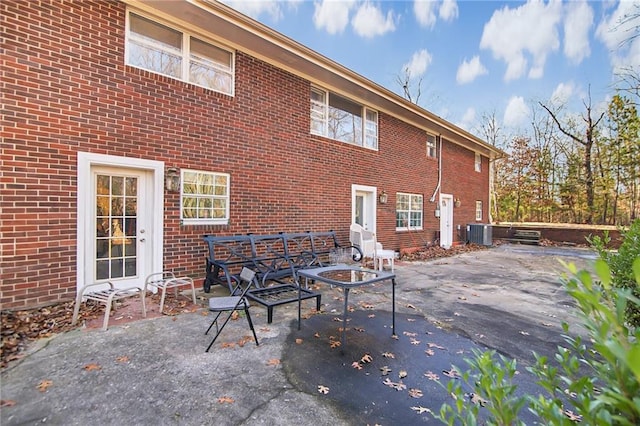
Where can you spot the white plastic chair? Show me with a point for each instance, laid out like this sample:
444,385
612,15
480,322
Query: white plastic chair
370,247
163,281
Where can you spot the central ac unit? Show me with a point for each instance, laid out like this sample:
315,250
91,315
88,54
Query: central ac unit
479,233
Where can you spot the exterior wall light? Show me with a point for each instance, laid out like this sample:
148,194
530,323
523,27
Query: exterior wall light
172,179
457,202
383,197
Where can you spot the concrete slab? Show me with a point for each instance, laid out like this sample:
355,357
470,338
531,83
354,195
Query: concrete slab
156,372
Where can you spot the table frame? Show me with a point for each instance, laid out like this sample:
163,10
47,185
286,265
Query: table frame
314,275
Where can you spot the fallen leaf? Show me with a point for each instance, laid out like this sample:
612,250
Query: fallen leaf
356,365
435,345
265,329
299,341
335,344
411,319
402,374
431,376
395,385
359,329
407,333
273,361
430,352
316,335
226,345
415,341
572,416
44,385
371,316
415,393
410,306
235,315
385,370
453,373
226,400
366,358
476,399
92,367
421,410
323,389
462,298
122,358
524,333
7,403
547,324
388,355
456,314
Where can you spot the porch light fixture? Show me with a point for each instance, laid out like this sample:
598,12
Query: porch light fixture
457,202
383,197
172,179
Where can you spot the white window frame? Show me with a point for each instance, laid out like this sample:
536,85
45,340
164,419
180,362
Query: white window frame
213,197
478,211
187,58
431,146
319,115
478,162
399,197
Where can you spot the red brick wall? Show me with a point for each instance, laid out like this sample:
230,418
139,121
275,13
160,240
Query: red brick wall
66,89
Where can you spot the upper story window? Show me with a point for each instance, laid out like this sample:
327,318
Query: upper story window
478,163
156,47
204,197
408,212
342,119
431,146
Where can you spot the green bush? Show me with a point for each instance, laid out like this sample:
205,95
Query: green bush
620,262
596,383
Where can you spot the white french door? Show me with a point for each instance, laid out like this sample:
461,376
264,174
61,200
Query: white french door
119,219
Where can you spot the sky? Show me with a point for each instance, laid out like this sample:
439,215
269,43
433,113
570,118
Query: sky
471,59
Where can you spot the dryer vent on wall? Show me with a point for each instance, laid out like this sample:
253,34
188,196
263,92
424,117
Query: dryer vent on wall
478,233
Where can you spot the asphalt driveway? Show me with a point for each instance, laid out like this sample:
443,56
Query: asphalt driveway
156,372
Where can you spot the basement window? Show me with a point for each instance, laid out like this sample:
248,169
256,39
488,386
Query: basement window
408,212
204,197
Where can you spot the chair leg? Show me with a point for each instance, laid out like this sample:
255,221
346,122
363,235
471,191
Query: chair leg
107,311
193,292
164,294
253,330
76,308
215,321
144,307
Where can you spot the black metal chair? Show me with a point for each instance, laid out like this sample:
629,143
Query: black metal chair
231,304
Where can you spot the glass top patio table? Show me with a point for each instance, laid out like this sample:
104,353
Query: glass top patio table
347,277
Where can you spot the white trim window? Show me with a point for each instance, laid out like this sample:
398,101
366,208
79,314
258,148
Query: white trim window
431,146
342,119
478,211
204,197
477,162
408,211
159,48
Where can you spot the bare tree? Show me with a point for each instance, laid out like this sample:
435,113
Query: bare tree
587,142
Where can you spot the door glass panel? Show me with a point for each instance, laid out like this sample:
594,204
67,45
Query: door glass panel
116,199
360,210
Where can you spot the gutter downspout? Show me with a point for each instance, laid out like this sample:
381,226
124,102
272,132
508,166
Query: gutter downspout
437,190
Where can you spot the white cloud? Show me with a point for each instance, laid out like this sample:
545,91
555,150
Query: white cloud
369,21
615,32
577,26
468,118
562,93
469,70
529,29
332,16
418,64
425,12
448,10
254,9
516,112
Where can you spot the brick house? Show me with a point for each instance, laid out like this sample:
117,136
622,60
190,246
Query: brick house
132,128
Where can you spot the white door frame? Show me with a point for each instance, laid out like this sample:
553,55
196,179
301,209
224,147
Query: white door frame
446,220
370,196
86,161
